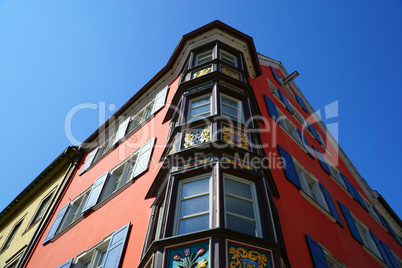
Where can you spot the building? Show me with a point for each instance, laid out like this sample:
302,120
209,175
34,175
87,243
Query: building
23,218
218,161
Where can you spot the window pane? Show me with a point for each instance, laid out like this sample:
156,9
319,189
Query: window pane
200,101
194,224
238,188
230,102
241,225
201,110
195,187
203,57
231,111
240,207
228,58
194,206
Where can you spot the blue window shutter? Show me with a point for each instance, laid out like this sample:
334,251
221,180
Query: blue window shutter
116,247
160,99
285,101
360,199
390,255
351,223
331,205
95,193
305,144
66,264
390,230
314,132
322,161
381,249
317,253
348,185
56,223
143,159
276,76
89,160
289,166
271,108
301,102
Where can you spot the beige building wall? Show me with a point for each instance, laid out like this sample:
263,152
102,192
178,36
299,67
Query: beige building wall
23,216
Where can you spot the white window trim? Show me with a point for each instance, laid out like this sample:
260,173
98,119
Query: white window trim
368,241
178,201
304,176
189,119
331,259
78,216
254,198
33,221
239,107
110,142
229,54
3,246
206,52
92,253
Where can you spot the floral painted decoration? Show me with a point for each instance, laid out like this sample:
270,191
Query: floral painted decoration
189,260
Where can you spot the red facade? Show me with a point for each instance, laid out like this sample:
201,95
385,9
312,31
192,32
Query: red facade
126,204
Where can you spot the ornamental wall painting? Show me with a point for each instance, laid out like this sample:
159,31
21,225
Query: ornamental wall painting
195,136
236,136
230,72
246,256
201,72
194,255
195,162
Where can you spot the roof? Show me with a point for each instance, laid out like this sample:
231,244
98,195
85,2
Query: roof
170,65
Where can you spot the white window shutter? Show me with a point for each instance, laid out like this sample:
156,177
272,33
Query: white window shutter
142,162
121,131
160,99
89,160
95,192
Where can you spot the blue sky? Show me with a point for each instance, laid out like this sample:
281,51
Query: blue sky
55,55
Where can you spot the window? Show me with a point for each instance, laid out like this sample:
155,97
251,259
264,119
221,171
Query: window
140,117
106,253
312,188
228,58
332,261
367,238
298,115
132,167
11,236
203,57
193,205
241,206
232,108
93,257
74,211
199,107
337,175
118,177
153,105
321,257
41,210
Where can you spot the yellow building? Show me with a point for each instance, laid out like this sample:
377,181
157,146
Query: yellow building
21,220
